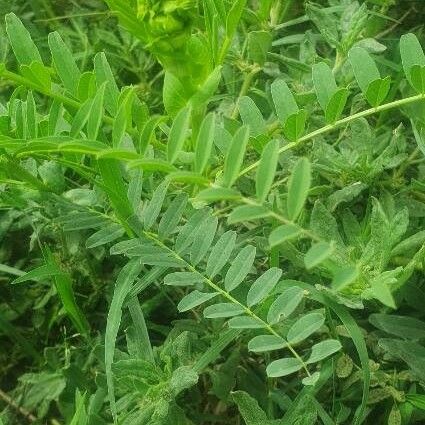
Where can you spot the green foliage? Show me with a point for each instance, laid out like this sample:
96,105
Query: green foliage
248,247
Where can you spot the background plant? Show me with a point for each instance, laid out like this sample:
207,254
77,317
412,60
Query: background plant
249,248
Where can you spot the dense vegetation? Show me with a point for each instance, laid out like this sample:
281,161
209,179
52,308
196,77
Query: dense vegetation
212,212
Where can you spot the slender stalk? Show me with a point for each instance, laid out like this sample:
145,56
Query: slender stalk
12,403
280,218
330,127
230,298
244,89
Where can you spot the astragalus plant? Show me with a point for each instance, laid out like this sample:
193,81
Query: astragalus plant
237,254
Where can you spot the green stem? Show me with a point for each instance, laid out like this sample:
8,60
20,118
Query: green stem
280,218
222,292
330,127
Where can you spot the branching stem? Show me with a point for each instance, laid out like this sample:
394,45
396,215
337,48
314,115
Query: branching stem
343,121
222,292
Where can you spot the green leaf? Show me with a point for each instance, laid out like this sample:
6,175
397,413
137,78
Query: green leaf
344,276
152,165
87,86
311,380
417,77
401,326
178,134
298,187
43,272
123,118
326,23
188,177
233,17
285,304
64,62
259,44
284,233
251,116
221,253
264,343
323,349
249,409
81,220
377,91
234,156
203,239
175,96
336,105
206,90
245,322
204,143
262,287
151,212
38,75
283,367
381,291
304,327
125,279
104,74
172,216
248,213
240,268
32,124
266,170
283,100
318,253
324,84
411,54
182,279
80,118
106,235
222,310
417,400
194,299
188,233
213,194
364,67
96,113
23,47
